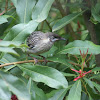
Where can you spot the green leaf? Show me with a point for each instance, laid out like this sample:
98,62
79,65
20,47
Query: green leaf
8,50
68,74
47,75
17,86
97,86
92,95
3,19
59,95
65,20
96,12
14,2
24,10
89,83
41,10
36,93
75,91
20,31
5,94
75,46
8,43
96,76
60,59
96,69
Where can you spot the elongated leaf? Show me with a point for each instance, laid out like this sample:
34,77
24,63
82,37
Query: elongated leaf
65,20
36,93
24,10
5,94
14,2
8,50
97,86
20,31
96,69
47,75
92,95
60,59
41,10
89,83
3,19
95,12
74,47
8,43
75,91
96,76
68,74
59,95
15,85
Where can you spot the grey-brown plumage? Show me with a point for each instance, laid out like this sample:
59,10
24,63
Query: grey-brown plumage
40,42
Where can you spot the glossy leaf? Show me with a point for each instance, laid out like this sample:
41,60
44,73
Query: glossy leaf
89,83
65,20
68,74
75,91
8,50
61,60
3,19
15,85
47,75
96,76
36,93
96,69
95,12
74,47
92,95
20,31
14,2
59,95
24,10
5,94
41,10
8,43
97,86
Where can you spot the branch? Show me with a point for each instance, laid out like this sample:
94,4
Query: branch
6,6
49,25
60,8
75,64
20,62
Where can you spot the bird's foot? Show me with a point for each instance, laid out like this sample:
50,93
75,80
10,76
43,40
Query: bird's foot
35,60
45,61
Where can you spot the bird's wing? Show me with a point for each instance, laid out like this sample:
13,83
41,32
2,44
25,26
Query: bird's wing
34,38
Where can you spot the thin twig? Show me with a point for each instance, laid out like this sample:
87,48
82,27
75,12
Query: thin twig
60,8
49,25
75,64
6,6
20,62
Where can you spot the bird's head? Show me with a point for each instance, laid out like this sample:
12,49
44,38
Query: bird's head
54,37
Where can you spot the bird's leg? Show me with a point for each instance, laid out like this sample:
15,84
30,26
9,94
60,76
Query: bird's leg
43,58
35,60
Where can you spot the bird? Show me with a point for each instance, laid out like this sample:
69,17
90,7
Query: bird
39,42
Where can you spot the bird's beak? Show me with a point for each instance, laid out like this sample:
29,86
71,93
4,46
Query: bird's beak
62,39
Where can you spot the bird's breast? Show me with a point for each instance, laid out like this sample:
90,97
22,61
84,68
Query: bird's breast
47,40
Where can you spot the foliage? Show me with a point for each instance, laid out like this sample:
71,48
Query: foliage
71,72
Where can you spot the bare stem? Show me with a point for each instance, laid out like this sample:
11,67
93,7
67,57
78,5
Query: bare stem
75,64
49,25
20,62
